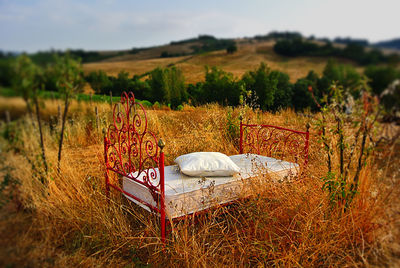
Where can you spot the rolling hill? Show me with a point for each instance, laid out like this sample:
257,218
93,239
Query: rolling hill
249,55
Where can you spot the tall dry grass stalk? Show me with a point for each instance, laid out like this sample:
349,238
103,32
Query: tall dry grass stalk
64,219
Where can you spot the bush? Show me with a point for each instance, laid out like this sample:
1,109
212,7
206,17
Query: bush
284,91
221,87
168,86
264,83
345,75
99,81
231,49
6,72
157,105
103,84
195,93
380,77
302,98
390,98
146,104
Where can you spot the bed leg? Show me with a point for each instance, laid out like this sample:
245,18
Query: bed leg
106,162
107,188
241,136
162,190
163,226
307,144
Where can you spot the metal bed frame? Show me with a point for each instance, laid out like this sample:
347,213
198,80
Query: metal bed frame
133,151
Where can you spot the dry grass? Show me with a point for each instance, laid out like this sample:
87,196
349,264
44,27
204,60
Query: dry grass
68,222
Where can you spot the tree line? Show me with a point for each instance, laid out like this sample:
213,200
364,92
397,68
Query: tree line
354,50
268,89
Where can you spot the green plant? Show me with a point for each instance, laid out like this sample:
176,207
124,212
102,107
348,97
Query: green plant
28,80
146,103
167,86
232,126
346,155
261,83
7,187
231,49
381,77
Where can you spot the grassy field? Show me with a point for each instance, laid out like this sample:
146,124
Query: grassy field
11,101
63,219
248,57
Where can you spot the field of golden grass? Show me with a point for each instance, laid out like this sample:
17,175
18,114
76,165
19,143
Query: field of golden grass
248,57
63,219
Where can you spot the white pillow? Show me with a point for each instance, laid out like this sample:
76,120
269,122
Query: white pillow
210,164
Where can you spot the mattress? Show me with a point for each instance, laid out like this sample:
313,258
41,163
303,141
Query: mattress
185,195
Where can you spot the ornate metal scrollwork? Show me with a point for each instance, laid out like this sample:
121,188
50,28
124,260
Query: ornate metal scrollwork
277,142
130,148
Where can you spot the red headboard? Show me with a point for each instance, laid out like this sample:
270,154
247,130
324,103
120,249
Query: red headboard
131,150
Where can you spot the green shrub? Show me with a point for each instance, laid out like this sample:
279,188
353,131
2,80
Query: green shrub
264,83
342,74
99,81
146,103
6,72
231,49
380,77
167,85
302,98
157,105
221,87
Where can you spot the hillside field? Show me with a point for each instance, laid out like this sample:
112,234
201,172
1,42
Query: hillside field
248,57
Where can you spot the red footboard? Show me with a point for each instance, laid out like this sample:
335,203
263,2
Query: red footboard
132,151
278,142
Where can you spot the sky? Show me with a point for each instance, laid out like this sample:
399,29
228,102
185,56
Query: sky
33,25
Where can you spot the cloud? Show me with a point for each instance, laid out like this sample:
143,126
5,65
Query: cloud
112,24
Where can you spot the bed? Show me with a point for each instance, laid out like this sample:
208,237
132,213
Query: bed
134,164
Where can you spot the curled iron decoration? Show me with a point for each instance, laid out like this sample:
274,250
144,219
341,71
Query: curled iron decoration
274,142
131,149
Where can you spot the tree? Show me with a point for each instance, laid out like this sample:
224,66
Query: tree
122,83
168,86
345,75
69,82
231,49
28,80
6,72
263,84
221,87
380,77
140,88
302,98
354,51
158,89
195,93
177,87
99,81
284,90
390,98
25,79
